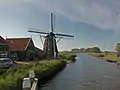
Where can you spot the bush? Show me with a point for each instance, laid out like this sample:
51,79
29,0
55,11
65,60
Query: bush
67,55
101,55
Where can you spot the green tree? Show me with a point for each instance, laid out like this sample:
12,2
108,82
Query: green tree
89,50
96,49
117,48
75,50
93,50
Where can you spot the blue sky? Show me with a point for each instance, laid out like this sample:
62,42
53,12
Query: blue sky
92,22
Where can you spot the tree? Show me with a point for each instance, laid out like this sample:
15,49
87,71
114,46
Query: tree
93,50
96,49
89,50
75,50
117,48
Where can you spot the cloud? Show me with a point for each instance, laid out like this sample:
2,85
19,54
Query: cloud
101,13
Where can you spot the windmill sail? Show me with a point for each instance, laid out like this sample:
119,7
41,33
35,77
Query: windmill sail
51,22
64,35
33,31
50,44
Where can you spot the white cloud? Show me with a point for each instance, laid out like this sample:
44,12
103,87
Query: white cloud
101,13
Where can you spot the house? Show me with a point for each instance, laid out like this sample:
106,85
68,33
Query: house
21,48
4,48
82,50
39,53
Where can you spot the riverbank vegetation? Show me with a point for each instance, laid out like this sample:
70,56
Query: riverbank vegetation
11,79
84,50
111,56
69,56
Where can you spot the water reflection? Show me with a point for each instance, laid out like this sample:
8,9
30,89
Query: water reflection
87,73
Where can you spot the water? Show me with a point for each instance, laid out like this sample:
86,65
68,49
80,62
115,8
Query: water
87,73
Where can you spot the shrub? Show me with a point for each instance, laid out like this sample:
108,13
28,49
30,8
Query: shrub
101,55
67,55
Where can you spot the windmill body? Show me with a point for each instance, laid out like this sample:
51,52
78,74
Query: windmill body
50,45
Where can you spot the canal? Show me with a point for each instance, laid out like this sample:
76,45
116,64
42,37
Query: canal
87,73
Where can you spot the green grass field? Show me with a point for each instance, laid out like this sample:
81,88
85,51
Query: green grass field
108,56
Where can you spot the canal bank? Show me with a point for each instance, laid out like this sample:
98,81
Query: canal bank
110,57
87,73
12,78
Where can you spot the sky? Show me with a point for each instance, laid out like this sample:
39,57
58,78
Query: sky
92,22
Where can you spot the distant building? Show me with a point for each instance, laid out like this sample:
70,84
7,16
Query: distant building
82,49
21,48
4,48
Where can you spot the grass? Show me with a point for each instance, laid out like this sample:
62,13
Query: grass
111,57
11,79
67,55
108,56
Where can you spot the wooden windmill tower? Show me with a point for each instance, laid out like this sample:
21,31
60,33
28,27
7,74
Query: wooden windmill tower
50,43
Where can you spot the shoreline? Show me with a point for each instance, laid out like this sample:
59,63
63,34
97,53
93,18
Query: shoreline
110,57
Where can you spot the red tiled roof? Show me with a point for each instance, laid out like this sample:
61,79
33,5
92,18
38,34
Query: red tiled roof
18,44
2,40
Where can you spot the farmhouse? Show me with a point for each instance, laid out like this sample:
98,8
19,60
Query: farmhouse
39,54
4,48
21,48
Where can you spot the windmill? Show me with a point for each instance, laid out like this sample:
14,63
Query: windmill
50,43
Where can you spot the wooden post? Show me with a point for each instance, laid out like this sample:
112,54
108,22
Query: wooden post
35,84
26,84
30,83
